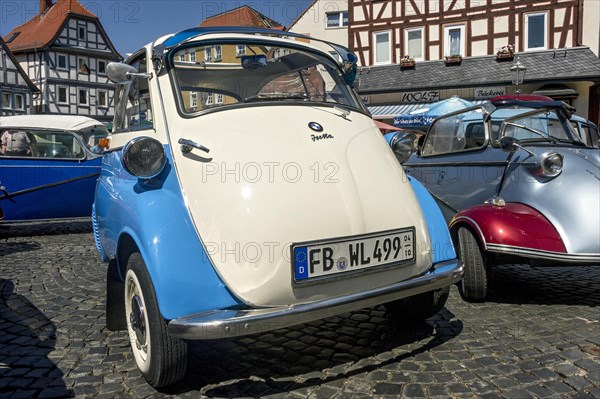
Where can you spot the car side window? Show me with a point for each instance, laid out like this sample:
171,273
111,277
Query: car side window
133,109
455,133
55,144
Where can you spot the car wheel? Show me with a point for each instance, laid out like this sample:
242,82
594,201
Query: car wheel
421,306
473,286
161,358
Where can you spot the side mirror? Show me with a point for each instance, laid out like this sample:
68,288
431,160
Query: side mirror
509,144
119,72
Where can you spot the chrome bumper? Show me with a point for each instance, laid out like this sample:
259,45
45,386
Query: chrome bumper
232,323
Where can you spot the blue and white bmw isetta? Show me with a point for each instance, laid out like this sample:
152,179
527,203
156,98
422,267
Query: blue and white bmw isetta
245,188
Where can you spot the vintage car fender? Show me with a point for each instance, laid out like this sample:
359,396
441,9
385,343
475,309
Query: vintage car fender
441,242
184,279
515,229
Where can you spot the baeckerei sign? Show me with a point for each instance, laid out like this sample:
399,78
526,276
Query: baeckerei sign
483,93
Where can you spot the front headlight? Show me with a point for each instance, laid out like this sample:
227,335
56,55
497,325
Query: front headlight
144,157
551,164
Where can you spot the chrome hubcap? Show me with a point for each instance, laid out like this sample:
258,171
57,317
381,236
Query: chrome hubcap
137,320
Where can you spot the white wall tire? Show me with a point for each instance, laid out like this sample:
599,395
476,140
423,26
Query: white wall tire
161,358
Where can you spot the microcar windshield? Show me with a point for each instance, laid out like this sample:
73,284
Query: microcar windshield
220,76
536,124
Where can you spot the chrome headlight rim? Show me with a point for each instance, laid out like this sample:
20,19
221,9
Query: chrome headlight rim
129,164
551,164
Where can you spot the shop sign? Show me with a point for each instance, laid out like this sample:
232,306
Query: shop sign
482,93
425,96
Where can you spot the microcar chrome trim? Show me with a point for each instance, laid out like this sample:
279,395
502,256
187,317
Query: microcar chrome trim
188,145
229,323
471,223
541,254
126,162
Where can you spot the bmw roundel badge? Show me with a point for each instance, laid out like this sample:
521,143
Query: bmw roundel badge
315,126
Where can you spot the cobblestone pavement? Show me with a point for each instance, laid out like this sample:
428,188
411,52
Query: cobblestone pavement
537,336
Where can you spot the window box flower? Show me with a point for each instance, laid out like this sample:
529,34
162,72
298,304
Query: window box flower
505,52
453,59
407,62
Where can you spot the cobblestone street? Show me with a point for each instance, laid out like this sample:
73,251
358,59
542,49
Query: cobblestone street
538,335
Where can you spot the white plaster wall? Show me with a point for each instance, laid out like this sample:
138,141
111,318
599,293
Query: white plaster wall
314,22
591,25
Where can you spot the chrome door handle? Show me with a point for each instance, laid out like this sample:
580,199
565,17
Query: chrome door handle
188,145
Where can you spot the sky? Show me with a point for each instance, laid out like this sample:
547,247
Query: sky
130,24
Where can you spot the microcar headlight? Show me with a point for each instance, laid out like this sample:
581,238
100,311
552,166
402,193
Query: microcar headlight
144,157
551,164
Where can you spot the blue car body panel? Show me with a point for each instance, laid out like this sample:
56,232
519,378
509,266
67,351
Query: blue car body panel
34,188
153,213
441,242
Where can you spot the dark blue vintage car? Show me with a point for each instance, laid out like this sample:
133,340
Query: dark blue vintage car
55,175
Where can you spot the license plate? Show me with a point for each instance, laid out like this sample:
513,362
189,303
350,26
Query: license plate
325,258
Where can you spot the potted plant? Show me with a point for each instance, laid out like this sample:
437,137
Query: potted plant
454,59
407,62
505,52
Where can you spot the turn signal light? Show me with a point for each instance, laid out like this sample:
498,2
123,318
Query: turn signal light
103,143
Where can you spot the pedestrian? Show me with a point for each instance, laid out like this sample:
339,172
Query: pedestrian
16,143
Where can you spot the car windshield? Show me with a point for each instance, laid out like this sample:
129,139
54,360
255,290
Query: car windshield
217,76
541,124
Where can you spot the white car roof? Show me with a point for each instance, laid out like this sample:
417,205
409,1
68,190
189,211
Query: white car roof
58,122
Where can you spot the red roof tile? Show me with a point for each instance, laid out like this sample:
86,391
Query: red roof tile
242,16
41,30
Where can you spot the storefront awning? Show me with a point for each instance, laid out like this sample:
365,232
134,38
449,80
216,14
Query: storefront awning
389,111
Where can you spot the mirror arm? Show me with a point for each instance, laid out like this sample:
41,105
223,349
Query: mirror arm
131,75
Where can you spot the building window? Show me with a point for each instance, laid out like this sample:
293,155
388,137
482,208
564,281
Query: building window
102,99
19,102
82,31
61,62
208,54
182,56
194,100
193,55
454,43
82,66
337,19
102,67
240,49
536,31
218,53
414,43
382,48
209,99
82,97
62,95
219,99
6,100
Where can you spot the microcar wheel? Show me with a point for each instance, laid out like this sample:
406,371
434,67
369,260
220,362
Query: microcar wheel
161,359
421,306
474,284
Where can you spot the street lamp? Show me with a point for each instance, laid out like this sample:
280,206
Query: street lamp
517,73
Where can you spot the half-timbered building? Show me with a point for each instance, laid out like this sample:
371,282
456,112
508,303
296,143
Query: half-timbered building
424,50
64,50
16,89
